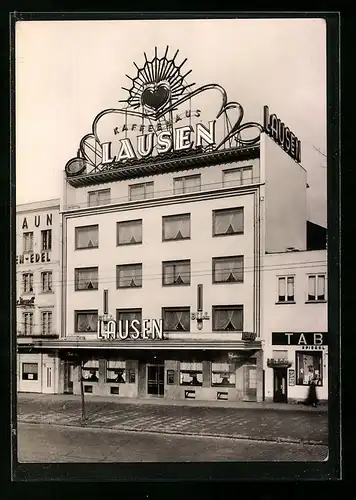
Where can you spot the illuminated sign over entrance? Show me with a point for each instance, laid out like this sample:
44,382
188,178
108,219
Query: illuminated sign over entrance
300,339
282,135
148,329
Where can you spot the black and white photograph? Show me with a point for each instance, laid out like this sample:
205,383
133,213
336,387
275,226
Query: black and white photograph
171,240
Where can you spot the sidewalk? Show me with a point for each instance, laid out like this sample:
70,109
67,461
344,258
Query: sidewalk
259,421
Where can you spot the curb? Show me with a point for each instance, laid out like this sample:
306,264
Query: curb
240,437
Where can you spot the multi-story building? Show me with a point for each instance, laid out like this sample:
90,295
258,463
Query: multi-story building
37,292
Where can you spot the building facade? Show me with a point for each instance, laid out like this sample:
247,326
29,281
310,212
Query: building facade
38,290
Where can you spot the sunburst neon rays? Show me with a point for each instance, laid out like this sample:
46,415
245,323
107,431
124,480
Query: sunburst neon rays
158,84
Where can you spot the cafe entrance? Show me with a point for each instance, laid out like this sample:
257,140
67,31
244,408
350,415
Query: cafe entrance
155,380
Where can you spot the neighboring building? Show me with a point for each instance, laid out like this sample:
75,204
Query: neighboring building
37,293
295,324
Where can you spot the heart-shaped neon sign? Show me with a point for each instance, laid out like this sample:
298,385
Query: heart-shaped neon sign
155,96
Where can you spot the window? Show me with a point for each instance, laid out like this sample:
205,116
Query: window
228,221
27,280
46,322
228,318
237,176
29,371
176,227
129,232
27,323
222,375
116,371
176,319
176,272
46,281
86,278
86,321
316,287
187,184
286,289
87,237
90,371
99,197
309,367
129,276
228,269
27,242
126,316
191,373
46,238
141,191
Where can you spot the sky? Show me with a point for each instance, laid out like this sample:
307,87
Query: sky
66,72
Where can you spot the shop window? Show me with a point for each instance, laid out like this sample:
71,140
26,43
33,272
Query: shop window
176,273
228,221
129,232
46,281
27,282
141,191
286,289
170,377
29,371
90,371
86,278
176,319
228,269
28,323
176,227
86,321
222,375
127,316
46,322
129,276
316,287
309,367
228,318
116,371
46,238
87,237
99,197
28,242
191,373
237,176
187,184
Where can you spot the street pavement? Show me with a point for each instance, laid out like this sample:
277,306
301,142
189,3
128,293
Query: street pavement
252,423
40,443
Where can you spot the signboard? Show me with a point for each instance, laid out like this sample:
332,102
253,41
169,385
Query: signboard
249,336
306,339
33,258
37,221
148,329
282,135
26,302
291,377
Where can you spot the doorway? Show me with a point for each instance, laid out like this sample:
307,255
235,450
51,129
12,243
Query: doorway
155,380
280,385
250,383
68,377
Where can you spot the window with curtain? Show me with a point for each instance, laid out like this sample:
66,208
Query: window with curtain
116,371
27,323
176,319
176,227
27,242
316,287
176,272
129,232
90,370
187,184
309,367
223,375
285,288
29,371
46,237
128,315
129,276
228,221
86,321
191,373
46,281
228,318
86,278
237,176
87,237
228,269
141,191
46,322
99,197
27,280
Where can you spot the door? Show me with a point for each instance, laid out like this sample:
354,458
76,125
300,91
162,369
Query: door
250,383
68,377
155,380
280,385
